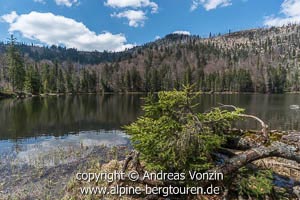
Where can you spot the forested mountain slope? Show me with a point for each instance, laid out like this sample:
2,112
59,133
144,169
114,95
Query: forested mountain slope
258,60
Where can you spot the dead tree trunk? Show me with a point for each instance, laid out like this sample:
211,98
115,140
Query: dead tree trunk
276,149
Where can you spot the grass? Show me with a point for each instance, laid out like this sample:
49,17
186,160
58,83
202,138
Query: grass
36,179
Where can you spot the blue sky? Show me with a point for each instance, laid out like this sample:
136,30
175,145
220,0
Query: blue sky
118,24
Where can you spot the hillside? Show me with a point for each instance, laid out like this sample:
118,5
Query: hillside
257,60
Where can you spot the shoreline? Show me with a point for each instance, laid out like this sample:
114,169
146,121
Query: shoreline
9,95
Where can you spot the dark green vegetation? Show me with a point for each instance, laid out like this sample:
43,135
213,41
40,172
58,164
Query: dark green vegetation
258,60
171,136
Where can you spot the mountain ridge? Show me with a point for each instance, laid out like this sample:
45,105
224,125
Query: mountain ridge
256,60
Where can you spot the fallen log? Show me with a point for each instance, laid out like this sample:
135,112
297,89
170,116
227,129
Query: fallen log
249,140
276,149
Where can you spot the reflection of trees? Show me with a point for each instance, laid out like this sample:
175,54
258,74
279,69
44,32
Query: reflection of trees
61,115
273,109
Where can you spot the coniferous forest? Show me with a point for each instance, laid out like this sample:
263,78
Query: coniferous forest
259,60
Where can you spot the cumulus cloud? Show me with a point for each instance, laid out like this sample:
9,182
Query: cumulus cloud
58,30
132,4
182,32
210,4
67,3
290,9
135,18
133,10
9,18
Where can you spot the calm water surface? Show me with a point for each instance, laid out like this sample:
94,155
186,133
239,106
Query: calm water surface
42,124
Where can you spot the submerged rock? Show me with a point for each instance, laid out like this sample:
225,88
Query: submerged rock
294,107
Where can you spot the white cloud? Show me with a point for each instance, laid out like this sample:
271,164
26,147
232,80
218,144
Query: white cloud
9,18
58,30
132,4
40,1
134,10
291,7
182,32
291,11
67,3
135,18
157,37
277,21
210,4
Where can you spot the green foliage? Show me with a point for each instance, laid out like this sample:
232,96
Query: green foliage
257,184
231,80
172,136
32,82
220,120
16,69
277,79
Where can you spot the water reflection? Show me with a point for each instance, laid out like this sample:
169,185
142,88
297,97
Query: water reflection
273,109
49,151
58,116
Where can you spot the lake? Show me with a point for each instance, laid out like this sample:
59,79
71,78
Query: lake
38,125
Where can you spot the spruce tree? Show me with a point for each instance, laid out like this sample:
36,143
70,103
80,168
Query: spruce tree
15,66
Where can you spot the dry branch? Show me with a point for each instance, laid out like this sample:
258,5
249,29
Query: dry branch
264,126
264,129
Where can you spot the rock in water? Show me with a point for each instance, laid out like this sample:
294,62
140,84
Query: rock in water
294,107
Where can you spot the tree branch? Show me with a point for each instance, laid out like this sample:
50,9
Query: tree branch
264,126
262,123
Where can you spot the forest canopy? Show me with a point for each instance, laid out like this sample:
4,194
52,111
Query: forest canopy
259,60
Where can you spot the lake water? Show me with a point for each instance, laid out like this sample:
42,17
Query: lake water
35,126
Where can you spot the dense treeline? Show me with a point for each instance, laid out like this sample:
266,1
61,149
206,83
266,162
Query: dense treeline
60,54
260,60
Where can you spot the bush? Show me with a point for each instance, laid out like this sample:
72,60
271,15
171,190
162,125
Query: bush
172,136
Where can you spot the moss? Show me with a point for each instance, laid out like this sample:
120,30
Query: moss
257,184
276,136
